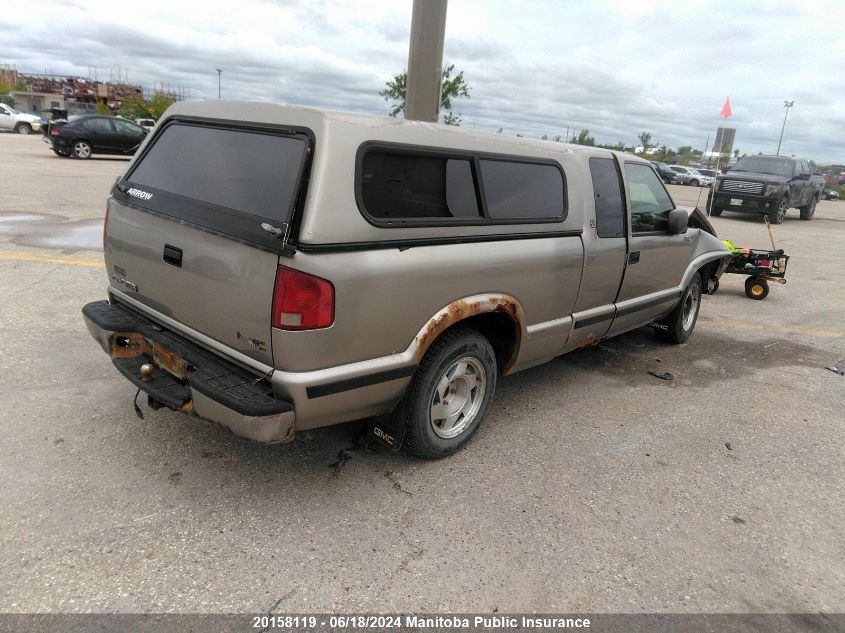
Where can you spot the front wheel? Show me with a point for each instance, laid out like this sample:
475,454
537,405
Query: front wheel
694,183
780,213
449,395
677,327
81,149
23,128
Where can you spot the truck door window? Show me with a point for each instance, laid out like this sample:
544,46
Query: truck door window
650,203
607,192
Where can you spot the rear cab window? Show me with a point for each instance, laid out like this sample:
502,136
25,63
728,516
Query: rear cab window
229,180
607,189
407,186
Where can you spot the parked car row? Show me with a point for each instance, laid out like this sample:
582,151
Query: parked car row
83,136
682,175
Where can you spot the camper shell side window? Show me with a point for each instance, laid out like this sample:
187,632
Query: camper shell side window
402,185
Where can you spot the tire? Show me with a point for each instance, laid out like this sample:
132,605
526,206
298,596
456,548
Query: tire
757,289
81,150
680,323
808,210
23,128
694,183
716,211
780,212
457,376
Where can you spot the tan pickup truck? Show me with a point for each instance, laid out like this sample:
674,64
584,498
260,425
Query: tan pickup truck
277,268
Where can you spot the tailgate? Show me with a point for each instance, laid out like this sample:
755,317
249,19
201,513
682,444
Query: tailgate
184,229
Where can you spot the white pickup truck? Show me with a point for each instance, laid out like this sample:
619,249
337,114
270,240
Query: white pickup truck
20,122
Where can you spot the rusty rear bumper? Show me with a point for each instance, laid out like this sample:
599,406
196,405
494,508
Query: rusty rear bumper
186,377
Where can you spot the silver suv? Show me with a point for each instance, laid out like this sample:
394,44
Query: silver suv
278,268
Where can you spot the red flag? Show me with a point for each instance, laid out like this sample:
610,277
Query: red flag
726,109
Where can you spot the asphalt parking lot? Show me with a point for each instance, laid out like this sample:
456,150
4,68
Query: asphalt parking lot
591,487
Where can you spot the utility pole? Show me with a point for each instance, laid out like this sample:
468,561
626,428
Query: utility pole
219,75
786,105
425,60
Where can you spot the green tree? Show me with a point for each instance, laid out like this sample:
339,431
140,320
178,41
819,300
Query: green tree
103,108
158,104
584,138
134,108
450,88
5,86
645,140
21,86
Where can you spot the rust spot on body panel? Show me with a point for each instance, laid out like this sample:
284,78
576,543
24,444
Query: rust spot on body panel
128,345
170,362
463,309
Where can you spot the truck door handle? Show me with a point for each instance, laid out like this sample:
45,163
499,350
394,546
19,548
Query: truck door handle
634,257
173,255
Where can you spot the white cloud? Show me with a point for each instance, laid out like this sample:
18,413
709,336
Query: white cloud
615,67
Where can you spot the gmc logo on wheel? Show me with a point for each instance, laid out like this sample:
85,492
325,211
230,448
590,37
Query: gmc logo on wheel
143,195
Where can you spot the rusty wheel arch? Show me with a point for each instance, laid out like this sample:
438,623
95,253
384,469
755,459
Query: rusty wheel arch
490,314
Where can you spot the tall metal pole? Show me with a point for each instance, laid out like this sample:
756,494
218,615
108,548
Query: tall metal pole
786,105
425,60
219,76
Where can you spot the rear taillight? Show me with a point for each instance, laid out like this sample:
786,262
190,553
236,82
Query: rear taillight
106,229
55,131
301,301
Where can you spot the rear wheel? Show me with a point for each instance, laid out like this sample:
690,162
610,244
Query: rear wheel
681,321
780,213
809,209
756,288
23,128
81,149
449,395
694,183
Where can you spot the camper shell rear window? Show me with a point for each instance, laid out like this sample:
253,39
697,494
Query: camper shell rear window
401,185
228,179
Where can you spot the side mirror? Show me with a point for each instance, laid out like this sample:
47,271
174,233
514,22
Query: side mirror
678,221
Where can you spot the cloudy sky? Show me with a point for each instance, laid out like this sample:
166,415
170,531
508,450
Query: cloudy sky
615,67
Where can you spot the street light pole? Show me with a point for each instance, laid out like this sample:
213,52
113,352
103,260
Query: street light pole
219,75
425,60
787,105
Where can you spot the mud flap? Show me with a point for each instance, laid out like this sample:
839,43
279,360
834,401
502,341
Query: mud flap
385,429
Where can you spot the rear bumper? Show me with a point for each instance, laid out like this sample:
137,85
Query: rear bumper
187,378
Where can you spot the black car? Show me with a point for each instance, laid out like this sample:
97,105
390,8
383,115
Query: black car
666,173
92,134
